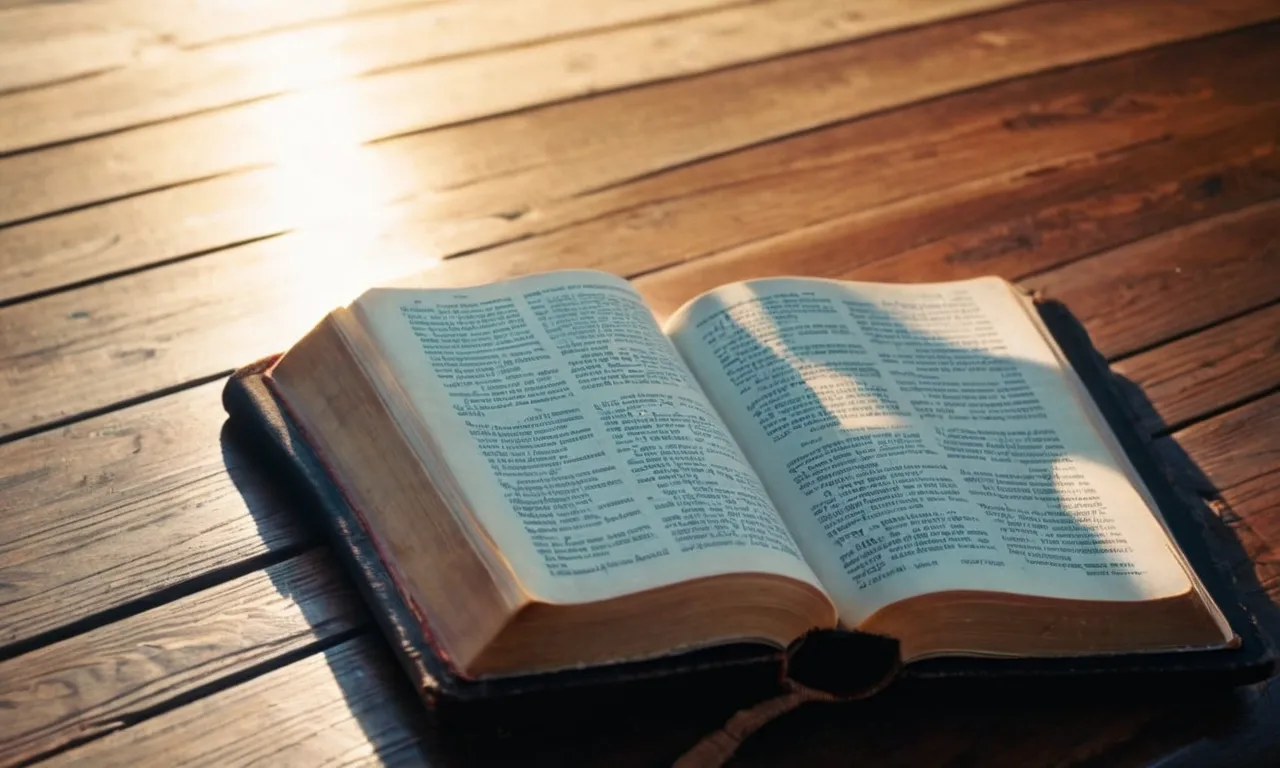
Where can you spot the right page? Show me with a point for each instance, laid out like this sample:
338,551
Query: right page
923,438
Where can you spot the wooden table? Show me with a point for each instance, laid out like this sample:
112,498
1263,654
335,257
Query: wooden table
184,188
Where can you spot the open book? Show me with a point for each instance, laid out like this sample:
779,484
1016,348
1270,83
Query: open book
555,481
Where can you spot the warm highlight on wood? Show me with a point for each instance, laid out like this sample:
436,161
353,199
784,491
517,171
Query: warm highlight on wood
185,187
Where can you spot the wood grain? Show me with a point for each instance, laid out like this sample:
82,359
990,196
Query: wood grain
86,349
1254,502
1230,460
461,188
1228,363
1175,282
942,58
182,323
187,80
1236,447
111,510
43,42
1089,116
348,705
1009,226
110,677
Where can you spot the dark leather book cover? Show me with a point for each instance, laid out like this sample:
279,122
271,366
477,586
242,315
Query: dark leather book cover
846,664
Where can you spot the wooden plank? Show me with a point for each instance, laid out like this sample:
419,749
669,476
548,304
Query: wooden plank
1190,278
45,43
139,231
113,509
348,705
192,23
226,311
1040,124
1256,500
86,349
101,681
561,67
153,87
478,174
42,42
887,71
1008,226
1230,460
1205,371
1236,447
1248,509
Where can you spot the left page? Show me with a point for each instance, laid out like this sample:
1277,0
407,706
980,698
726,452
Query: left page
578,438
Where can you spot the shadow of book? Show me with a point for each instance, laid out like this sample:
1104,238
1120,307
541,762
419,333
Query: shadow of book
371,690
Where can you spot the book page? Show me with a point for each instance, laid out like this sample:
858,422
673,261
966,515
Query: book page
581,443
921,438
